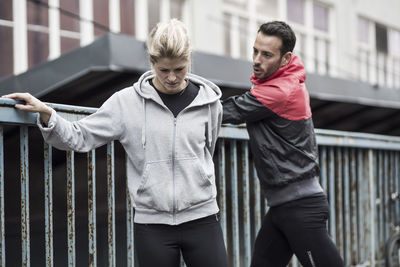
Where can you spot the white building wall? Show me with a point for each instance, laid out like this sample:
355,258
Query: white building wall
339,48
205,20
383,11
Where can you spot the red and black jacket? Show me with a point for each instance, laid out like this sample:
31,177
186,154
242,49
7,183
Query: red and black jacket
278,117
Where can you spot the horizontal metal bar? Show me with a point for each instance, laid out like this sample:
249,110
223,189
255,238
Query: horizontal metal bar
6,102
10,115
355,139
328,138
234,132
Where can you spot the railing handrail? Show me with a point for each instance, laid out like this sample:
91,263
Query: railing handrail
10,115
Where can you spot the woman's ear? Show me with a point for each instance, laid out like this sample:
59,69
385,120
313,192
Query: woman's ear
286,58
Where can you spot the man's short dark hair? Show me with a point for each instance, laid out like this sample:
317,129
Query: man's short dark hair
281,30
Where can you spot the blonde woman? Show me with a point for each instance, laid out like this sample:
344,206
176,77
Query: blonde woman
168,123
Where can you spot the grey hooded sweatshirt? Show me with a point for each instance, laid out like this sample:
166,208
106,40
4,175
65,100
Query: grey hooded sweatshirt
170,169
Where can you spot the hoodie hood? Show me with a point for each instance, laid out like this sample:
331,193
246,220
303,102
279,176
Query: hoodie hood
208,94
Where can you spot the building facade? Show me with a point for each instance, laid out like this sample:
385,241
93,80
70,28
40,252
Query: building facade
356,40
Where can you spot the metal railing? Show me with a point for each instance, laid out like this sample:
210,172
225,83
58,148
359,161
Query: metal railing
79,216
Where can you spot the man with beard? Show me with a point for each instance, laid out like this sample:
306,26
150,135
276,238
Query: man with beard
277,114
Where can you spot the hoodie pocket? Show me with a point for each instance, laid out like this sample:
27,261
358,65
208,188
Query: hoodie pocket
193,185
156,191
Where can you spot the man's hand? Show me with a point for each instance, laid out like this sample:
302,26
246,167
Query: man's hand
32,104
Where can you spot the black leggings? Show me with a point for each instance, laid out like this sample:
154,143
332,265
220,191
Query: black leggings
297,227
200,241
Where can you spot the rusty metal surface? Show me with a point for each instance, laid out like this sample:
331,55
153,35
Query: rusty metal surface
130,213
331,193
92,208
71,233
111,204
234,204
25,220
129,225
372,206
257,200
222,187
48,206
246,204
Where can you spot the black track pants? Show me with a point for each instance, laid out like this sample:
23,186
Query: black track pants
297,227
200,242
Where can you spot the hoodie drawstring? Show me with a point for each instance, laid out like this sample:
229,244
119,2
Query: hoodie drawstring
144,124
209,130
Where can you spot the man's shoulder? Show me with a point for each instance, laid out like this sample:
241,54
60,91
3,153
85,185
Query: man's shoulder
270,92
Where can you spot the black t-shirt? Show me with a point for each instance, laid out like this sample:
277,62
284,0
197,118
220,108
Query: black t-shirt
177,102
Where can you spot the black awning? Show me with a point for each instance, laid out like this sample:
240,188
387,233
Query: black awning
89,75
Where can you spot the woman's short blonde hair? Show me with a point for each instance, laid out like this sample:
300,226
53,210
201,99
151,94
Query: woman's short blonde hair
170,40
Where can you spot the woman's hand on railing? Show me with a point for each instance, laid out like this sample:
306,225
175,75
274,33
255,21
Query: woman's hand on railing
32,104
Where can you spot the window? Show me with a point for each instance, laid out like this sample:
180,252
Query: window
68,44
38,48
101,17
300,46
38,34
363,30
322,64
6,37
381,38
394,43
6,51
321,17
69,15
127,11
69,24
314,44
6,10
364,67
379,60
394,54
295,11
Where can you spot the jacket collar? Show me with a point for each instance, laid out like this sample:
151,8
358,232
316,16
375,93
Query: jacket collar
294,68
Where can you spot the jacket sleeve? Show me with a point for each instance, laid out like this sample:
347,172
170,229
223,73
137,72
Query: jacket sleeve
86,134
244,108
